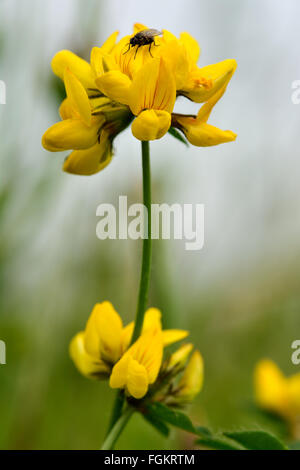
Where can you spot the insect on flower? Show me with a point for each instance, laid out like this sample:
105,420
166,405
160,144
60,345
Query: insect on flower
143,38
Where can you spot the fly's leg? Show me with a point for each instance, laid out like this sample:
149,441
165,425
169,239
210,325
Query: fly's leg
129,46
136,51
150,50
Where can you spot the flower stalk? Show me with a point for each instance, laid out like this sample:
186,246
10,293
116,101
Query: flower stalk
147,245
117,429
144,280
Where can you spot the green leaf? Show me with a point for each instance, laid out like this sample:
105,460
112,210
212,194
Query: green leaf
175,133
256,440
157,423
202,431
218,443
170,416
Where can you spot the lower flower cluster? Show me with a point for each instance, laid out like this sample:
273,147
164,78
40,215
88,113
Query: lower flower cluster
143,369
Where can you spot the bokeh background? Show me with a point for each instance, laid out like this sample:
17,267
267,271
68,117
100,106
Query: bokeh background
239,296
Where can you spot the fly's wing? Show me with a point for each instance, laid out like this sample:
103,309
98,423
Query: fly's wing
150,32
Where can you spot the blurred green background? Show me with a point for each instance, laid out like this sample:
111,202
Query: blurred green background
239,296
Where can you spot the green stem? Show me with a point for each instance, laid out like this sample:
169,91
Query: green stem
147,246
117,410
117,429
144,282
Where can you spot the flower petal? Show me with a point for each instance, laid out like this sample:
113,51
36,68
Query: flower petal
177,60
270,387
66,110
201,134
77,96
110,42
172,336
119,373
137,380
205,82
192,380
148,351
115,85
87,365
191,45
79,67
90,161
179,358
138,27
103,333
151,125
70,134
153,87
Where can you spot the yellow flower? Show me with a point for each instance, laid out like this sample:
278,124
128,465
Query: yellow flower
276,393
196,129
124,85
181,378
192,380
139,366
104,340
179,358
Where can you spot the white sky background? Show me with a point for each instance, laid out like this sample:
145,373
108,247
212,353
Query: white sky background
250,188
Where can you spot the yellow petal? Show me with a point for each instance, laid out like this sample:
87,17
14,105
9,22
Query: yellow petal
270,387
177,60
152,320
153,87
118,378
115,85
205,82
191,46
87,365
70,134
103,333
110,42
129,374
79,67
96,61
77,96
168,36
172,336
151,125
148,351
89,161
179,357
66,110
139,27
191,382
206,109
137,380
204,135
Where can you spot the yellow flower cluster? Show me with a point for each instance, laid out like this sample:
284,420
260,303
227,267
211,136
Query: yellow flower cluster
124,85
103,351
276,393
